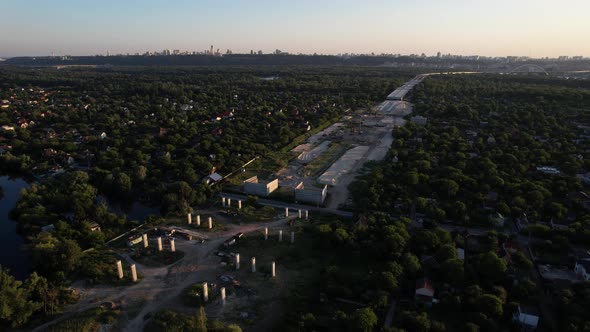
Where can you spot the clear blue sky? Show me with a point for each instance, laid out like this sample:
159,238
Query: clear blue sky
484,27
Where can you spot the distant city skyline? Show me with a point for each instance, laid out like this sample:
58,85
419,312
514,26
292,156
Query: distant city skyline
536,28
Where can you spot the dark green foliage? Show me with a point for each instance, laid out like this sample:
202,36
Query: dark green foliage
363,320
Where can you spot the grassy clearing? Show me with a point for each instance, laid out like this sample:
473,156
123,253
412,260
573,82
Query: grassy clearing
87,321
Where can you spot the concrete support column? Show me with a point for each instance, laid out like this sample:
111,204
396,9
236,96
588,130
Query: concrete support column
299,213
286,212
274,272
222,295
189,218
253,264
239,204
145,240
159,243
292,237
172,245
280,236
237,261
306,214
223,201
133,273
205,292
229,202
120,269
198,220
210,222
266,233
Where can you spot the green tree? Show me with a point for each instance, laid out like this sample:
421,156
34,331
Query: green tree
520,261
201,320
389,282
446,252
233,328
452,271
491,267
411,264
490,305
68,255
419,322
364,320
15,305
122,184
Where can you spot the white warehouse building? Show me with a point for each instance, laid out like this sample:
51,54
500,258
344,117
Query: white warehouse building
310,195
253,186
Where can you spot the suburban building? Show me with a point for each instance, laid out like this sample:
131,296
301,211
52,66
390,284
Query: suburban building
8,128
47,229
253,186
585,178
497,219
460,253
548,170
424,291
527,318
582,269
94,227
310,195
419,120
212,178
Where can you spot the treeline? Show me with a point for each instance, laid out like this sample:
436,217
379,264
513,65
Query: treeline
227,60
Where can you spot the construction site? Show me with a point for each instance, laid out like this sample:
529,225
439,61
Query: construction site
333,156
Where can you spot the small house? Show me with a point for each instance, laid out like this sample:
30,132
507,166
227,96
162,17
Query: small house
460,253
47,229
582,269
526,318
497,219
212,178
424,291
94,227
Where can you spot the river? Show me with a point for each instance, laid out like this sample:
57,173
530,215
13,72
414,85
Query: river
12,246
13,253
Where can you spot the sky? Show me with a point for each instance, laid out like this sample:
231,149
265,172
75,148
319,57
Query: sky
537,28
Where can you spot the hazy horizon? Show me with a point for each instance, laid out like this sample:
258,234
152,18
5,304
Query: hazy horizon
540,28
